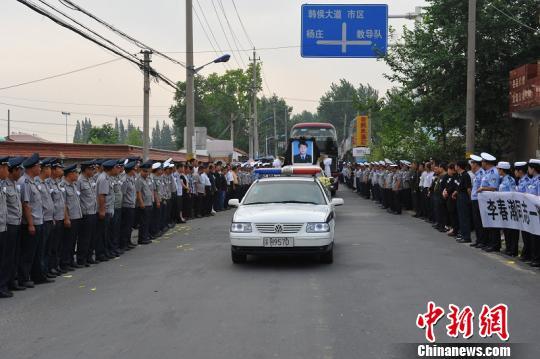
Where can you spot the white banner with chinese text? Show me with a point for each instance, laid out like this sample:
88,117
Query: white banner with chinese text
510,210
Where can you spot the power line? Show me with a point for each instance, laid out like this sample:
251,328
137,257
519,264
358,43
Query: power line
209,29
206,35
119,32
235,39
88,29
60,75
77,113
241,50
242,24
513,18
40,123
75,103
223,30
70,27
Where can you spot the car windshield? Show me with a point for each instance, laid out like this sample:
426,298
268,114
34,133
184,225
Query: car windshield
325,137
285,192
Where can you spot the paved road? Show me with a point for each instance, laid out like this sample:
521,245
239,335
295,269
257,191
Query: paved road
183,298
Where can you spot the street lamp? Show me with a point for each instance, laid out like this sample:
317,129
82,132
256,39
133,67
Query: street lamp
66,114
191,71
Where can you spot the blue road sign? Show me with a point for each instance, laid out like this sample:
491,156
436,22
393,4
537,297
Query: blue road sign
330,30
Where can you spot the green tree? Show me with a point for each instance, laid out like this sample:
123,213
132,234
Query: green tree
134,136
305,116
218,100
103,135
77,135
430,63
166,140
156,136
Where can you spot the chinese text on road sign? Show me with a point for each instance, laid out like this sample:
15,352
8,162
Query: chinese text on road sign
344,30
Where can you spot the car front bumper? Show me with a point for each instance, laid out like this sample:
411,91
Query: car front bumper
308,243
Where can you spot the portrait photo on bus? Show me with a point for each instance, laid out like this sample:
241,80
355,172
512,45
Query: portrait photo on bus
302,151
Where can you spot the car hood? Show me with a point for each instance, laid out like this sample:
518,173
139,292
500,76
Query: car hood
282,213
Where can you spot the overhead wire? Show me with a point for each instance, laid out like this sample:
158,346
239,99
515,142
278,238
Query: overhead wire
226,65
73,103
60,74
224,32
513,18
120,32
235,39
242,24
88,29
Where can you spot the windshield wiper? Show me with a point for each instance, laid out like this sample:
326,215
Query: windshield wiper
296,202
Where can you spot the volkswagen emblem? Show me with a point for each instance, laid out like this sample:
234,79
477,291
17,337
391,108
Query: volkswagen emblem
278,228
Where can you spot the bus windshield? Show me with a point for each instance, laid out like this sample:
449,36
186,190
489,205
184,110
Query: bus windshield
325,137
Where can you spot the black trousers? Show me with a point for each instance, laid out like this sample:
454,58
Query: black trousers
56,243
526,252
481,233
406,198
173,208
464,215
128,217
187,206
71,236
114,229
9,255
535,247
179,208
511,239
102,237
29,245
86,237
155,221
163,219
396,201
145,215
494,237
7,259
451,210
47,233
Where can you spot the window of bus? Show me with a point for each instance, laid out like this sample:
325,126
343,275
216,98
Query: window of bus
325,137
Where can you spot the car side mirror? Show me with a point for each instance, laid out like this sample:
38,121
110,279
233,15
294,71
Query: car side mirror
337,201
234,202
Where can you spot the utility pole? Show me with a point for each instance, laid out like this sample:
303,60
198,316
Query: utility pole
250,132
232,128
146,108
190,88
255,122
471,74
66,114
8,123
275,130
345,126
285,128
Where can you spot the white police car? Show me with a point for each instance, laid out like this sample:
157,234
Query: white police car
284,215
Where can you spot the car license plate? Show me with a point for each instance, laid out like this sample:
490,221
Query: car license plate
278,242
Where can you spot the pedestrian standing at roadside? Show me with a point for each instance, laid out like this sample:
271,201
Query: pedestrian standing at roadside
30,260
5,250
522,176
534,189
88,199
129,197
479,230
145,199
490,183
9,262
56,240
48,211
105,202
72,222
463,202
508,184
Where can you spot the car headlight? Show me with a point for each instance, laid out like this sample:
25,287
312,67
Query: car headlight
239,227
317,227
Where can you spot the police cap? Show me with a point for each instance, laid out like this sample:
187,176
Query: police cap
31,161
15,162
70,169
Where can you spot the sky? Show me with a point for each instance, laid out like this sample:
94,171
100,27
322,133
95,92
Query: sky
34,47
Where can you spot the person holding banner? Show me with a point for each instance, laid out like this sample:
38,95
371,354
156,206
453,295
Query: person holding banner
534,189
478,171
490,183
508,184
520,170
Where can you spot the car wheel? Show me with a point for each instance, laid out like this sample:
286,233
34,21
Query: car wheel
327,257
238,258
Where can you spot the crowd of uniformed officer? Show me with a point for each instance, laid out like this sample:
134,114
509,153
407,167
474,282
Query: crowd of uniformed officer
56,218
445,194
